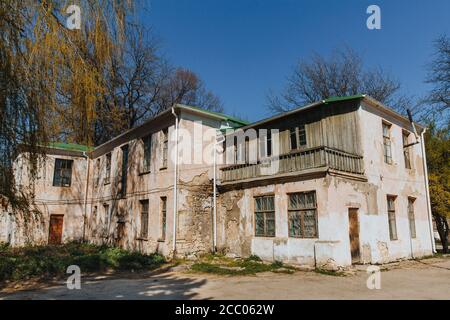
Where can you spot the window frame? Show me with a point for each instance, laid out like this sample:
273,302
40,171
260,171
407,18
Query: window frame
406,151
387,143
412,217
256,212
392,219
58,170
301,211
108,160
145,207
147,154
163,218
164,148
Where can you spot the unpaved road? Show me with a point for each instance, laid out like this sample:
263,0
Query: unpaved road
427,279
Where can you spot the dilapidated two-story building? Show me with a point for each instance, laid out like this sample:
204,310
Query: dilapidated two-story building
336,182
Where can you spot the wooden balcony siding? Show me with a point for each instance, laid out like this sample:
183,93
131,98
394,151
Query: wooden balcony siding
298,161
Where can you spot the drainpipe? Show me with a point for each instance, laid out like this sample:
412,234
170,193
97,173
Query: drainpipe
85,195
427,189
175,189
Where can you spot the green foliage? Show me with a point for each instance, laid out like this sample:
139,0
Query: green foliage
48,261
329,272
226,266
438,161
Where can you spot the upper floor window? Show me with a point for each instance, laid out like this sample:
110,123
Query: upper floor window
387,143
298,137
302,213
147,153
108,168
265,216
62,176
165,148
391,217
124,171
97,169
406,150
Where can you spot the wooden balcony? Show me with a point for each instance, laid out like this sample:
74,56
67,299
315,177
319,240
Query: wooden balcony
304,160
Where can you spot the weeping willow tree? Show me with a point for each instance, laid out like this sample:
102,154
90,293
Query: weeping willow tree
50,72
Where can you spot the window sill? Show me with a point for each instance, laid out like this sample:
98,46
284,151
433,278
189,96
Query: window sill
144,172
161,240
162,168
142,239
106,183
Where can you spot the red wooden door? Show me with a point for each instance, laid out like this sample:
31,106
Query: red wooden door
56,227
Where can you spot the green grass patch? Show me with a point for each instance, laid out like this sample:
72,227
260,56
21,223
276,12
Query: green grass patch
49,261
221,265
329,272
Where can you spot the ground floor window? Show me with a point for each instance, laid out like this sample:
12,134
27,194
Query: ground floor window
163,217
302,212
411,218
265,216
144,219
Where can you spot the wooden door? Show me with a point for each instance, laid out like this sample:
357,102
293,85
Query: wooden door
354,234
56,227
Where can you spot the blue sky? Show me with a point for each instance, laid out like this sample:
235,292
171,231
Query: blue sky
244,48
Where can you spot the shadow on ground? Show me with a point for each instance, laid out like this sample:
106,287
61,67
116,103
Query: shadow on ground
158,287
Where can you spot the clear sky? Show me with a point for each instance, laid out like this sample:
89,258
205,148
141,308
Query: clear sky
244,48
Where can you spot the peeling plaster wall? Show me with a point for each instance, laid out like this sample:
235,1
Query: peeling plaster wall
335,196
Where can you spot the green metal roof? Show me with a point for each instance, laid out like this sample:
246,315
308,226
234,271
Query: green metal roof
69,146
337,99
218,114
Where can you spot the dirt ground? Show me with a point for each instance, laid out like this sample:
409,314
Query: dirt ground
425,279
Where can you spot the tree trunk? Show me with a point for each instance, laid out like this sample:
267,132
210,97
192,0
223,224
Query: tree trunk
443,228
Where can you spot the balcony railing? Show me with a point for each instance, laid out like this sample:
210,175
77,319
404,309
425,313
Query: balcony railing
319,157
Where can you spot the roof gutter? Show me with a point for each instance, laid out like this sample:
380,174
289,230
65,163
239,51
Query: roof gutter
86,190
427,189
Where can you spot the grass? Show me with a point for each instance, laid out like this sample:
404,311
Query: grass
221,265
50,261
329,272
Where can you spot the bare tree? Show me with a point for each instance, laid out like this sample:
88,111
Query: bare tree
439,78
142,84
343,74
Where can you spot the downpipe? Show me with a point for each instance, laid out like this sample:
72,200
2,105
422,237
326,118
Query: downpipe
175,187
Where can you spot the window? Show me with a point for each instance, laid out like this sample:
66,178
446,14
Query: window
97,169
144,219
387,143
62,176
302,212
406,154
269,144
165,148
302,135
123,188
108,168
106,220
293,136
265,216
391,217
298,137
411,218
163,217
147,153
